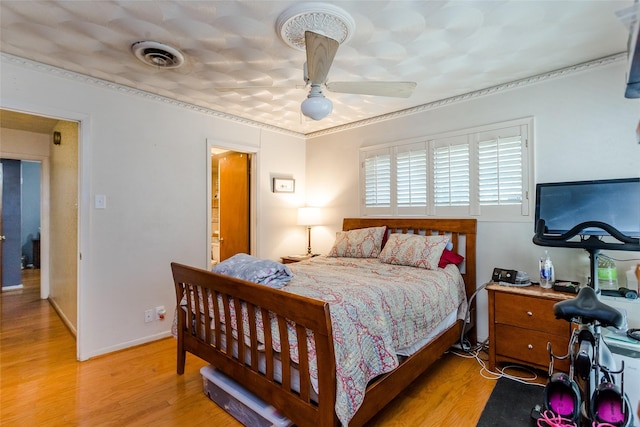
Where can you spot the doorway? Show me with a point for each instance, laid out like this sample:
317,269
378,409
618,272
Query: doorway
28,137
19,220
10,229
231,200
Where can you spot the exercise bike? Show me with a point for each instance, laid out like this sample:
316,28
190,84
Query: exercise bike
592,393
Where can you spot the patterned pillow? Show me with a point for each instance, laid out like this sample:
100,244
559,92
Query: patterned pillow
360,243
414,250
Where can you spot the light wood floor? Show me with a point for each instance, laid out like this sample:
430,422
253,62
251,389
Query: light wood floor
43,384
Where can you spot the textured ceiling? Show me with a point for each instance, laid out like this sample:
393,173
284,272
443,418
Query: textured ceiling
448,47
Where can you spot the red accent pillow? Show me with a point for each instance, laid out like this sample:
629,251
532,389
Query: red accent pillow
449,257
385,237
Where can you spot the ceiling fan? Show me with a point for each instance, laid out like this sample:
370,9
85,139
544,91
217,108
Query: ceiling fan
320,53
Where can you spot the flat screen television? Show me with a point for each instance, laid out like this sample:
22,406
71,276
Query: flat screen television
563,205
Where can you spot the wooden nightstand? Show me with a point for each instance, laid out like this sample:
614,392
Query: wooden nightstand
521,323
290,259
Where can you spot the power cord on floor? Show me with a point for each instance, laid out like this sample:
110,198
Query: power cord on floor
465,345
501,373
474,353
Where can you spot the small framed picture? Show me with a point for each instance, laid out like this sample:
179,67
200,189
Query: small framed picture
284,185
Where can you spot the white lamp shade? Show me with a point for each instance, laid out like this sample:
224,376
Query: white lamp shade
316,107
309,216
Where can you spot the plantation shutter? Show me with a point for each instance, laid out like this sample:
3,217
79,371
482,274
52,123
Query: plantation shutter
500,168
411,178
377,181
481,172
451,171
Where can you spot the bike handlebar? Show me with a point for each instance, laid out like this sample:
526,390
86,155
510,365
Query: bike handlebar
591,243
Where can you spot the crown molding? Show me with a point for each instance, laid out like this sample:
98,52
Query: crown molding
528,81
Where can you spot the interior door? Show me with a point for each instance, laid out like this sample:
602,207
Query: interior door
234,172
1,234
11,220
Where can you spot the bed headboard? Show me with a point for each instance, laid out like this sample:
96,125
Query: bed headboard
462,232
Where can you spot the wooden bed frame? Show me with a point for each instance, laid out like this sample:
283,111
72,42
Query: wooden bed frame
241,363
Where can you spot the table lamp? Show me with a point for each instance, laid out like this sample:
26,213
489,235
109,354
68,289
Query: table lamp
309,216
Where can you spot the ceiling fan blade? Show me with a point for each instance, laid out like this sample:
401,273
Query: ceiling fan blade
392,89
320,53
255,88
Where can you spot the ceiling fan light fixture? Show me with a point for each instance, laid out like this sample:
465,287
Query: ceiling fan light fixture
316,106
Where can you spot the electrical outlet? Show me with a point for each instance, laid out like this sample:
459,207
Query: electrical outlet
148,316
100,201
160,312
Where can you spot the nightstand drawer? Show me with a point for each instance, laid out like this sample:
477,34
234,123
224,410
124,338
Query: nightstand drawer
530,346
529,313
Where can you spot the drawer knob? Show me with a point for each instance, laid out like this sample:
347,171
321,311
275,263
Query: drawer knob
529,313
530,347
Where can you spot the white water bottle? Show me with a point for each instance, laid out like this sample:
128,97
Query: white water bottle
546,271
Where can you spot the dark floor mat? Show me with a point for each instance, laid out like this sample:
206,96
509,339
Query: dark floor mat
510,404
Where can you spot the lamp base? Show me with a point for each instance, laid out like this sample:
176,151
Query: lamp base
308,241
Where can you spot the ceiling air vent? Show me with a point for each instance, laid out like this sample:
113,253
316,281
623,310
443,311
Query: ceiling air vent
157,55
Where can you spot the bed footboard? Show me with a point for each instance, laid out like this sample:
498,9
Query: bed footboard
220,319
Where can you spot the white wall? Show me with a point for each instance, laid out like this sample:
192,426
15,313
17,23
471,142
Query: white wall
149,158
277,213
584,129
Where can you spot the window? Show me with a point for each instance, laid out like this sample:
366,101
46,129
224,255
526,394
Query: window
477,172
377,181
411,176
500,169
451,173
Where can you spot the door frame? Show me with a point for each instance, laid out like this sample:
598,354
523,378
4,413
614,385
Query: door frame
83,242
253,190
44,215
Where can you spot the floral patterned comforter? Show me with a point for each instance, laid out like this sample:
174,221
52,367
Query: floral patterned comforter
375,308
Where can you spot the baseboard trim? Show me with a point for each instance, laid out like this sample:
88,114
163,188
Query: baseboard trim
64,317
128,344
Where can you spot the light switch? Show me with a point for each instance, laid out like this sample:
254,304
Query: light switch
101,201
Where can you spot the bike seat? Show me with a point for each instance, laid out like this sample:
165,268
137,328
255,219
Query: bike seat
587,306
